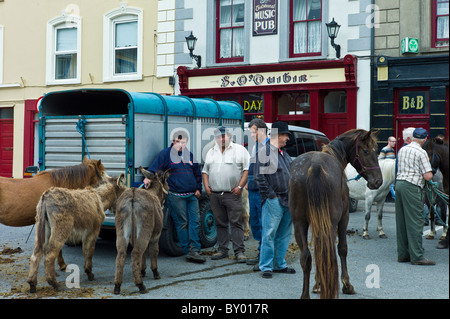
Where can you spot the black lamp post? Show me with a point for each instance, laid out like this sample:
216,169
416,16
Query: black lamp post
333,30
191,41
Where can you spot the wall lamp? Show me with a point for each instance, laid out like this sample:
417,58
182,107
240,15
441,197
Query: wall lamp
333,29
191,41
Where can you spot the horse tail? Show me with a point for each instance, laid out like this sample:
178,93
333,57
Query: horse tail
41,220
318,192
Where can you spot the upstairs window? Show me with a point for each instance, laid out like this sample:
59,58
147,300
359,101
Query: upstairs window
122,44
440,23
305,28
63,50
230,30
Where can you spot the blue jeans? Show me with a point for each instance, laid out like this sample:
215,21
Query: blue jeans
186,216
254,200
276,235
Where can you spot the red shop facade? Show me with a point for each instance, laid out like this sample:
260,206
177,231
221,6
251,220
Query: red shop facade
321,95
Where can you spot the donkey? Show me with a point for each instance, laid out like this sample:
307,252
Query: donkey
74,213
139,221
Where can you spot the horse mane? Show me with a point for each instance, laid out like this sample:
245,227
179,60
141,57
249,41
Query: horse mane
337,147
72,177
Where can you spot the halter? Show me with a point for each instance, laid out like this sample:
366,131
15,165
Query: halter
364,168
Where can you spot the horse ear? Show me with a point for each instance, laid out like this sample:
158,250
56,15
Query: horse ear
375,133
85,159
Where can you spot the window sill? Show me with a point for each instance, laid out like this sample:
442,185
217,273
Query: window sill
123,78
12,85
63,82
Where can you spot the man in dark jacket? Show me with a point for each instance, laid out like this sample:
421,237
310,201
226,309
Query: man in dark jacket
272,177
185,186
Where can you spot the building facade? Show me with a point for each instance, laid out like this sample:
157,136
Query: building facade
275,58
50,45
411,68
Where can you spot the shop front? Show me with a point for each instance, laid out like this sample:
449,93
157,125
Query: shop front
411,92
321,95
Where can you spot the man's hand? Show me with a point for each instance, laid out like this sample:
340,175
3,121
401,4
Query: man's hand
197,193
146,182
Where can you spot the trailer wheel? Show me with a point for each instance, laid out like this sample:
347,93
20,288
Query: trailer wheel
168,242
208,230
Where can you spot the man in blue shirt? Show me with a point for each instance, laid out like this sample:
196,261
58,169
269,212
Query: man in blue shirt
185,186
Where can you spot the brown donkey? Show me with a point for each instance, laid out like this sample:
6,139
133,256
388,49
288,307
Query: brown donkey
70,213
139,221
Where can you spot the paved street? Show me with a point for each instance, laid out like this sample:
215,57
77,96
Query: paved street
225,279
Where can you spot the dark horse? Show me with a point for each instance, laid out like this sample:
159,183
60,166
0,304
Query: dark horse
319,196
438,150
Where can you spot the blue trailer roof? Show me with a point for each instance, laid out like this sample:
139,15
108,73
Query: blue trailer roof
118,101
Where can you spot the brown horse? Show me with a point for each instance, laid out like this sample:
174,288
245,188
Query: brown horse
438,152
19,197
318,197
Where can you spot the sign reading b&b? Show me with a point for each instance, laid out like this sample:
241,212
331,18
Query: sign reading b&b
265,17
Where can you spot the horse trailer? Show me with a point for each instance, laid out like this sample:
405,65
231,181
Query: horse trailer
126,130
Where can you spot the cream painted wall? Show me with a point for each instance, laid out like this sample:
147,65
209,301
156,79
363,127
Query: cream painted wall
24,54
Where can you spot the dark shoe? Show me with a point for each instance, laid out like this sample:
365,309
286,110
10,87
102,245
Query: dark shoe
404,260
267,274
240,258
286,270
219,255
195,257
256,267
423,262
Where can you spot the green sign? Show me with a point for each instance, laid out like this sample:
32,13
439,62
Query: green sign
410,45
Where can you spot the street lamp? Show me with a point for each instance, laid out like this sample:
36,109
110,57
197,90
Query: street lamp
333,29
191,41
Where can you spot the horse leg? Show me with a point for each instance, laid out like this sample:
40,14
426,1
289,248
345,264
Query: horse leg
137,254
432,224
301,234
380,205
342,251
61,263
153,250
368,207
53,248
34,266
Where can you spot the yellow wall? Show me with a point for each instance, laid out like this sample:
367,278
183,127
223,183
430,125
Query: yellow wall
24,54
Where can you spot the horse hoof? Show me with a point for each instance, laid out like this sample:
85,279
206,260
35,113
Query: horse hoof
430,236
366,237
383,236
348,289
143,273
90,276
156,275
117,289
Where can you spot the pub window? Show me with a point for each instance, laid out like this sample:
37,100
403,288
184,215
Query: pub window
335,102
440,23
293,104
230,30
305,27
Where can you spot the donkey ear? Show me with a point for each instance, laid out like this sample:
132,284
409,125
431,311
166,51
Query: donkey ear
166,174
146,173
85,159
375,133
121,180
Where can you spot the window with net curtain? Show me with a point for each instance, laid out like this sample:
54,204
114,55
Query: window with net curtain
125,47
442,22
66,53
231,30
307,27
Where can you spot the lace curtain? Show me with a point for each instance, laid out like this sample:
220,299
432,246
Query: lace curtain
308,34
65,55
231,40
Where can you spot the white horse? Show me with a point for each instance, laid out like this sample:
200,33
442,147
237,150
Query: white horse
359,191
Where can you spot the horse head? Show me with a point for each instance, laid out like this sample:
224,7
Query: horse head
97,167
158,182
363,157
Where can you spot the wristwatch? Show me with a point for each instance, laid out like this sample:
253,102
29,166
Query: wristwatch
240,188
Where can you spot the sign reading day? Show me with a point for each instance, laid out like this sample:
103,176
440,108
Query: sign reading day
265,13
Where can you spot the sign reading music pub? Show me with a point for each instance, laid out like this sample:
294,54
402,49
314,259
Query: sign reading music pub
265,13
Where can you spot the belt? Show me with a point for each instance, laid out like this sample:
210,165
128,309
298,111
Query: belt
221,193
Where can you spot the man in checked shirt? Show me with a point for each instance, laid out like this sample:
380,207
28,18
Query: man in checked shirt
414,170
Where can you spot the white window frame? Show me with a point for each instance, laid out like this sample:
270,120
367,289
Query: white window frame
122,14
63,21
1,54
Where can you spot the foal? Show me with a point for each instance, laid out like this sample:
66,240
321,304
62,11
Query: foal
139,221
74,213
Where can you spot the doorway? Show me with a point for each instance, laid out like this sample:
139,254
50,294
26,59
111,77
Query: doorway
6,141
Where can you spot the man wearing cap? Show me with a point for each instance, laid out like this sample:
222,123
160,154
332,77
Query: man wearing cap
414,170
272,177
224,174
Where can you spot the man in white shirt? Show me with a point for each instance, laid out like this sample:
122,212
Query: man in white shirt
224,174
